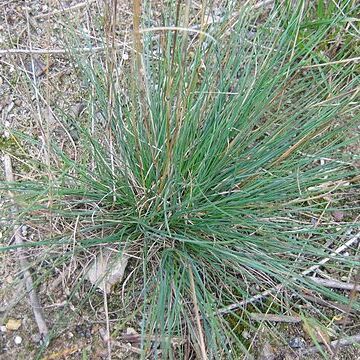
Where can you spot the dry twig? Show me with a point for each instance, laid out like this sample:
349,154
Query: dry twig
277,288
24,264
331,304
275,318
336,284
197,316
346,341
65,9
343,61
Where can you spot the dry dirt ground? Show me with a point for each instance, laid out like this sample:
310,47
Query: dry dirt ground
41,24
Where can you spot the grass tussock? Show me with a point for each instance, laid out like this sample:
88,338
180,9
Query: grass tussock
204,162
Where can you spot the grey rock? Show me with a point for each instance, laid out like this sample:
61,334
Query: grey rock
297,343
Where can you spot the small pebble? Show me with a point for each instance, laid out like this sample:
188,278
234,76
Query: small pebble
297,343
13,324
104,334
24,231
131,331
251,35
36,338
267,352
3,329
10,107
18,340
83,330
74,134
338,215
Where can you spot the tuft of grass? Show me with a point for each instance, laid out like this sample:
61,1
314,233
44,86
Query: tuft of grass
208,169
